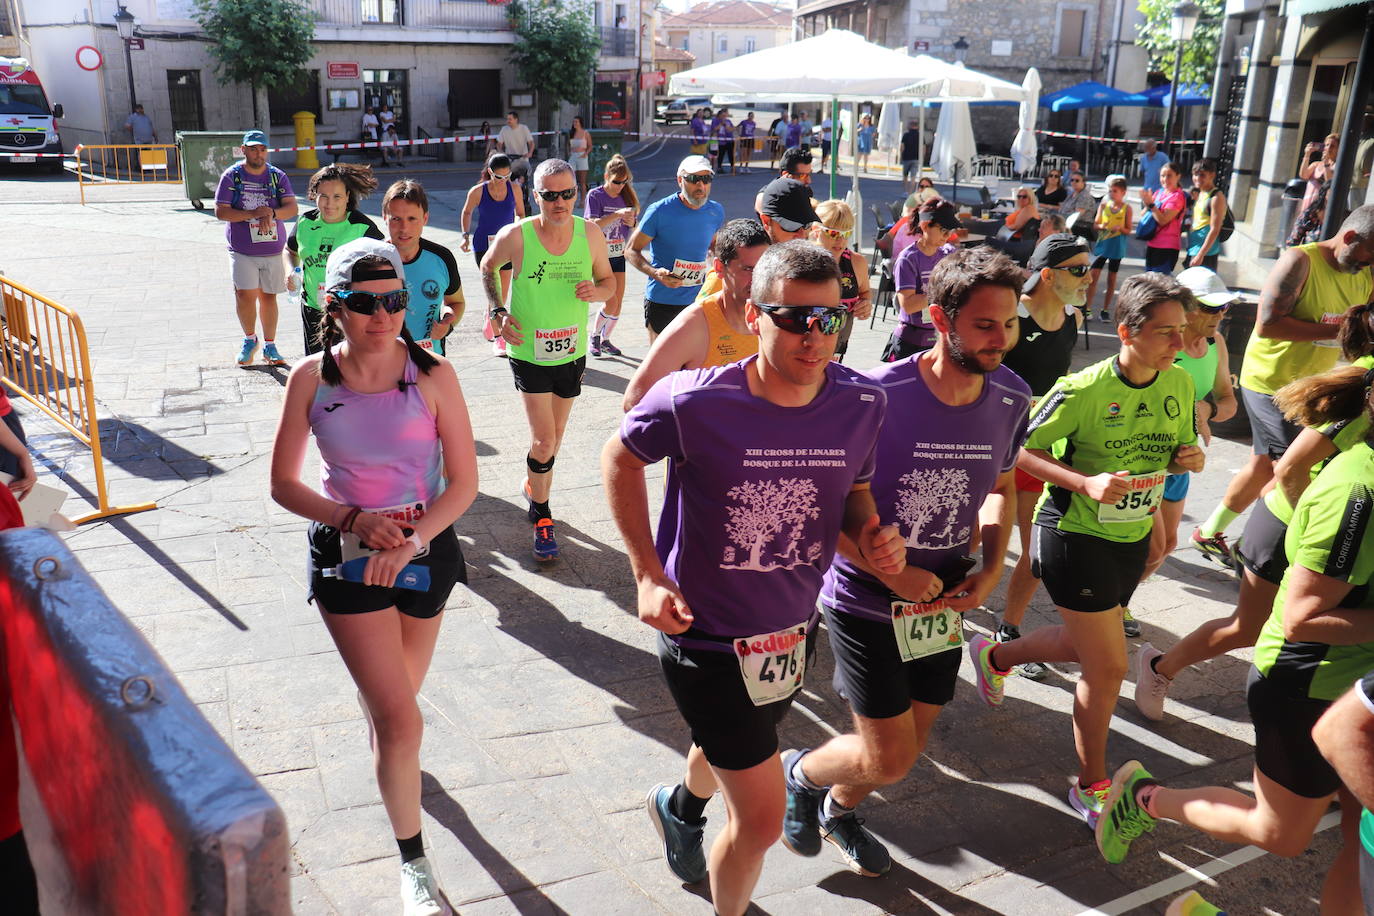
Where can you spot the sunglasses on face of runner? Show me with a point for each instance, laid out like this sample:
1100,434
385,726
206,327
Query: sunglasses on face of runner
567,194
833,234
699,179
362,303
1214,309
1078,270
798,319
500,177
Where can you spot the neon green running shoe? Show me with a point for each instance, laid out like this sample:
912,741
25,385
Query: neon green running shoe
1122,820
1192,904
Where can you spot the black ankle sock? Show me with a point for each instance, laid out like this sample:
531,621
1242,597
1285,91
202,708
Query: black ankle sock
539,511
411,848
685,806
1154,663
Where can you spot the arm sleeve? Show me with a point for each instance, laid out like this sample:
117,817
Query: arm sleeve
291,239
224,194
1334,531
284,189
357,217
455,282
595,206
649,224
1018,438
650,429
870,462
1053,418
904,272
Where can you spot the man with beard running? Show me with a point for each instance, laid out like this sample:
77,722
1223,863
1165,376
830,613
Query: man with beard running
956,420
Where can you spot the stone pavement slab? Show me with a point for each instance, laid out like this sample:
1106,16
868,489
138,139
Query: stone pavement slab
546,718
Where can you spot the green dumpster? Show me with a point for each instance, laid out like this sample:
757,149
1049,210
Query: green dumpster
205,154
605,144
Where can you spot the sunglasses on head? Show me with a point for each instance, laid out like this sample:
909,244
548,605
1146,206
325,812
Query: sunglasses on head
699,179
362,303
567,194
1214,309
1079,270
833,233
798,319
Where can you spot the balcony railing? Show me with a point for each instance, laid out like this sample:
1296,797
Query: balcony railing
617,42
420,14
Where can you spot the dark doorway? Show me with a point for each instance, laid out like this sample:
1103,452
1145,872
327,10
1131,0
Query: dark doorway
183,89
389,87
474,95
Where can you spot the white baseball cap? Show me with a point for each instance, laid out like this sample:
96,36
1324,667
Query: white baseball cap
1207,287
338,272
693,164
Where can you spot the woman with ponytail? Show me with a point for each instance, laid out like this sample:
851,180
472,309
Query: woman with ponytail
398,468
614,207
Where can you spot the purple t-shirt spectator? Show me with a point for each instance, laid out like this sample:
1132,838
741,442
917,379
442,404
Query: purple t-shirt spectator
936,464
257,192
1168,235
599,203
746,129
793,134
698,130
760,490
912,270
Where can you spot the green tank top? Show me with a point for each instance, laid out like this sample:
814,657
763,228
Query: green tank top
542,298
1325,297
1203,369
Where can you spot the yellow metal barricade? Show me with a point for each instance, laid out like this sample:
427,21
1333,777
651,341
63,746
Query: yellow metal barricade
150,163
44,360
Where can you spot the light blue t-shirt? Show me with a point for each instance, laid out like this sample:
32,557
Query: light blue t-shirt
1149,169
681,237
429,278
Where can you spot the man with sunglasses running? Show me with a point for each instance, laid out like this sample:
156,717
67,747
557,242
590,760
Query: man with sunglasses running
956,421
677,231
559,263
771,458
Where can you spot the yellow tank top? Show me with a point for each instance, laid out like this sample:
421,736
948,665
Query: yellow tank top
1325,297
1113,218
1202,212
725,344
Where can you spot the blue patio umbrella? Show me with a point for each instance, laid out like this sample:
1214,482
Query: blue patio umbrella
1163,97
1088,94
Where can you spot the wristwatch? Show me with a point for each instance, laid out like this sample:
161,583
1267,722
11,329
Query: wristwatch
496,312
415,539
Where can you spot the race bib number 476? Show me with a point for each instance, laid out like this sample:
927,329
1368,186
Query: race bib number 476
772,665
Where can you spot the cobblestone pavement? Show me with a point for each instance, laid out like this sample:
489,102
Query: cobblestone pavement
546,718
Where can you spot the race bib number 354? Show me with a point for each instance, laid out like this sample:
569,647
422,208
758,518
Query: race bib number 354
924,629
772,665
1140,502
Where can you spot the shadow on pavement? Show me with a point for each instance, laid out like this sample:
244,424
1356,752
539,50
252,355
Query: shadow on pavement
158,556
141,452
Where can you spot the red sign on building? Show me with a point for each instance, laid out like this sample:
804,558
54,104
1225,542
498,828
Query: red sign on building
344,70
653,78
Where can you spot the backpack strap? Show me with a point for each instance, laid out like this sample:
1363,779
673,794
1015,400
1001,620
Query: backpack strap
236,176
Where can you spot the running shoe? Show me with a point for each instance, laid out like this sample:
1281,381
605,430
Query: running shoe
1089,802
1214,548
1006,632
1129,624
1150,685
1123,820
861,850
801,823
419,892
988,678
545,547
610,349
271,356
1105,315
249,349
682,845
596,347
498,347
1192,904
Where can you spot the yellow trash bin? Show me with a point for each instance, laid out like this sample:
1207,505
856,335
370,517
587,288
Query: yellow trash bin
305,136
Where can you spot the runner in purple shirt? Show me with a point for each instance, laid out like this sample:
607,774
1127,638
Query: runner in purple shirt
910,274
771,458
945,461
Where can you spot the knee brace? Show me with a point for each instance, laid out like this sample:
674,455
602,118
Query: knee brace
539,467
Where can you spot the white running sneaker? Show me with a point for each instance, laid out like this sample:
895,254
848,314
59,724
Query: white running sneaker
419,892
1150,685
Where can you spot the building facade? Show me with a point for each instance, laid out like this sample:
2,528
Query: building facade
722,29
1287,75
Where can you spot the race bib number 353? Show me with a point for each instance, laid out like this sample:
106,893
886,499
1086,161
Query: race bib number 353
552,344
1140,502
772,665
924,629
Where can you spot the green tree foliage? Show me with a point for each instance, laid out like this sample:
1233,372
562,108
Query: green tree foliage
556,48
1199,55
263,43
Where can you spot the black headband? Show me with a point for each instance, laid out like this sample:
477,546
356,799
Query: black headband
362,273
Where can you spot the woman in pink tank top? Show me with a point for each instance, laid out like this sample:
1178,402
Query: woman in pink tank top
398,468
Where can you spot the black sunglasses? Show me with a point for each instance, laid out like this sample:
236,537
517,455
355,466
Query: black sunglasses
798,319
699,179
1078,270
362,303
567,194
1214,309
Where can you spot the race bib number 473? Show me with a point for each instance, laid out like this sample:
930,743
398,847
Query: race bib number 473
772,665
924,629
1139,503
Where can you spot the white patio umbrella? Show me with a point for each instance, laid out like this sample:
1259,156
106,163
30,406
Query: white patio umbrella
1024,149
889,126
954,145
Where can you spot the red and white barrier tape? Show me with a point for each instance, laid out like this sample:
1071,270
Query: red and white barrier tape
1055,133
10,155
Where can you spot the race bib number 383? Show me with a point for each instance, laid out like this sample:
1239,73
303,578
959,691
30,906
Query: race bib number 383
552,344
924,629
772,664
1140,502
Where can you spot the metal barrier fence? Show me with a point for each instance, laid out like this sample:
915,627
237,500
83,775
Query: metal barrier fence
151,163
44,360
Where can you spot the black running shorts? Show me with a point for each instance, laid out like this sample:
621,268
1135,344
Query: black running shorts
338,596
709,692
1086,573
871,676
658,315
1261,545
1270,433
1284,749
562,381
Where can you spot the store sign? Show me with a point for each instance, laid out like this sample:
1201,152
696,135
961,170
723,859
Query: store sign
653,78
920,46
135,44
344,70
615,76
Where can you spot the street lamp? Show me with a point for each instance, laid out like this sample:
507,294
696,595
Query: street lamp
1181,26
961,49
124,22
